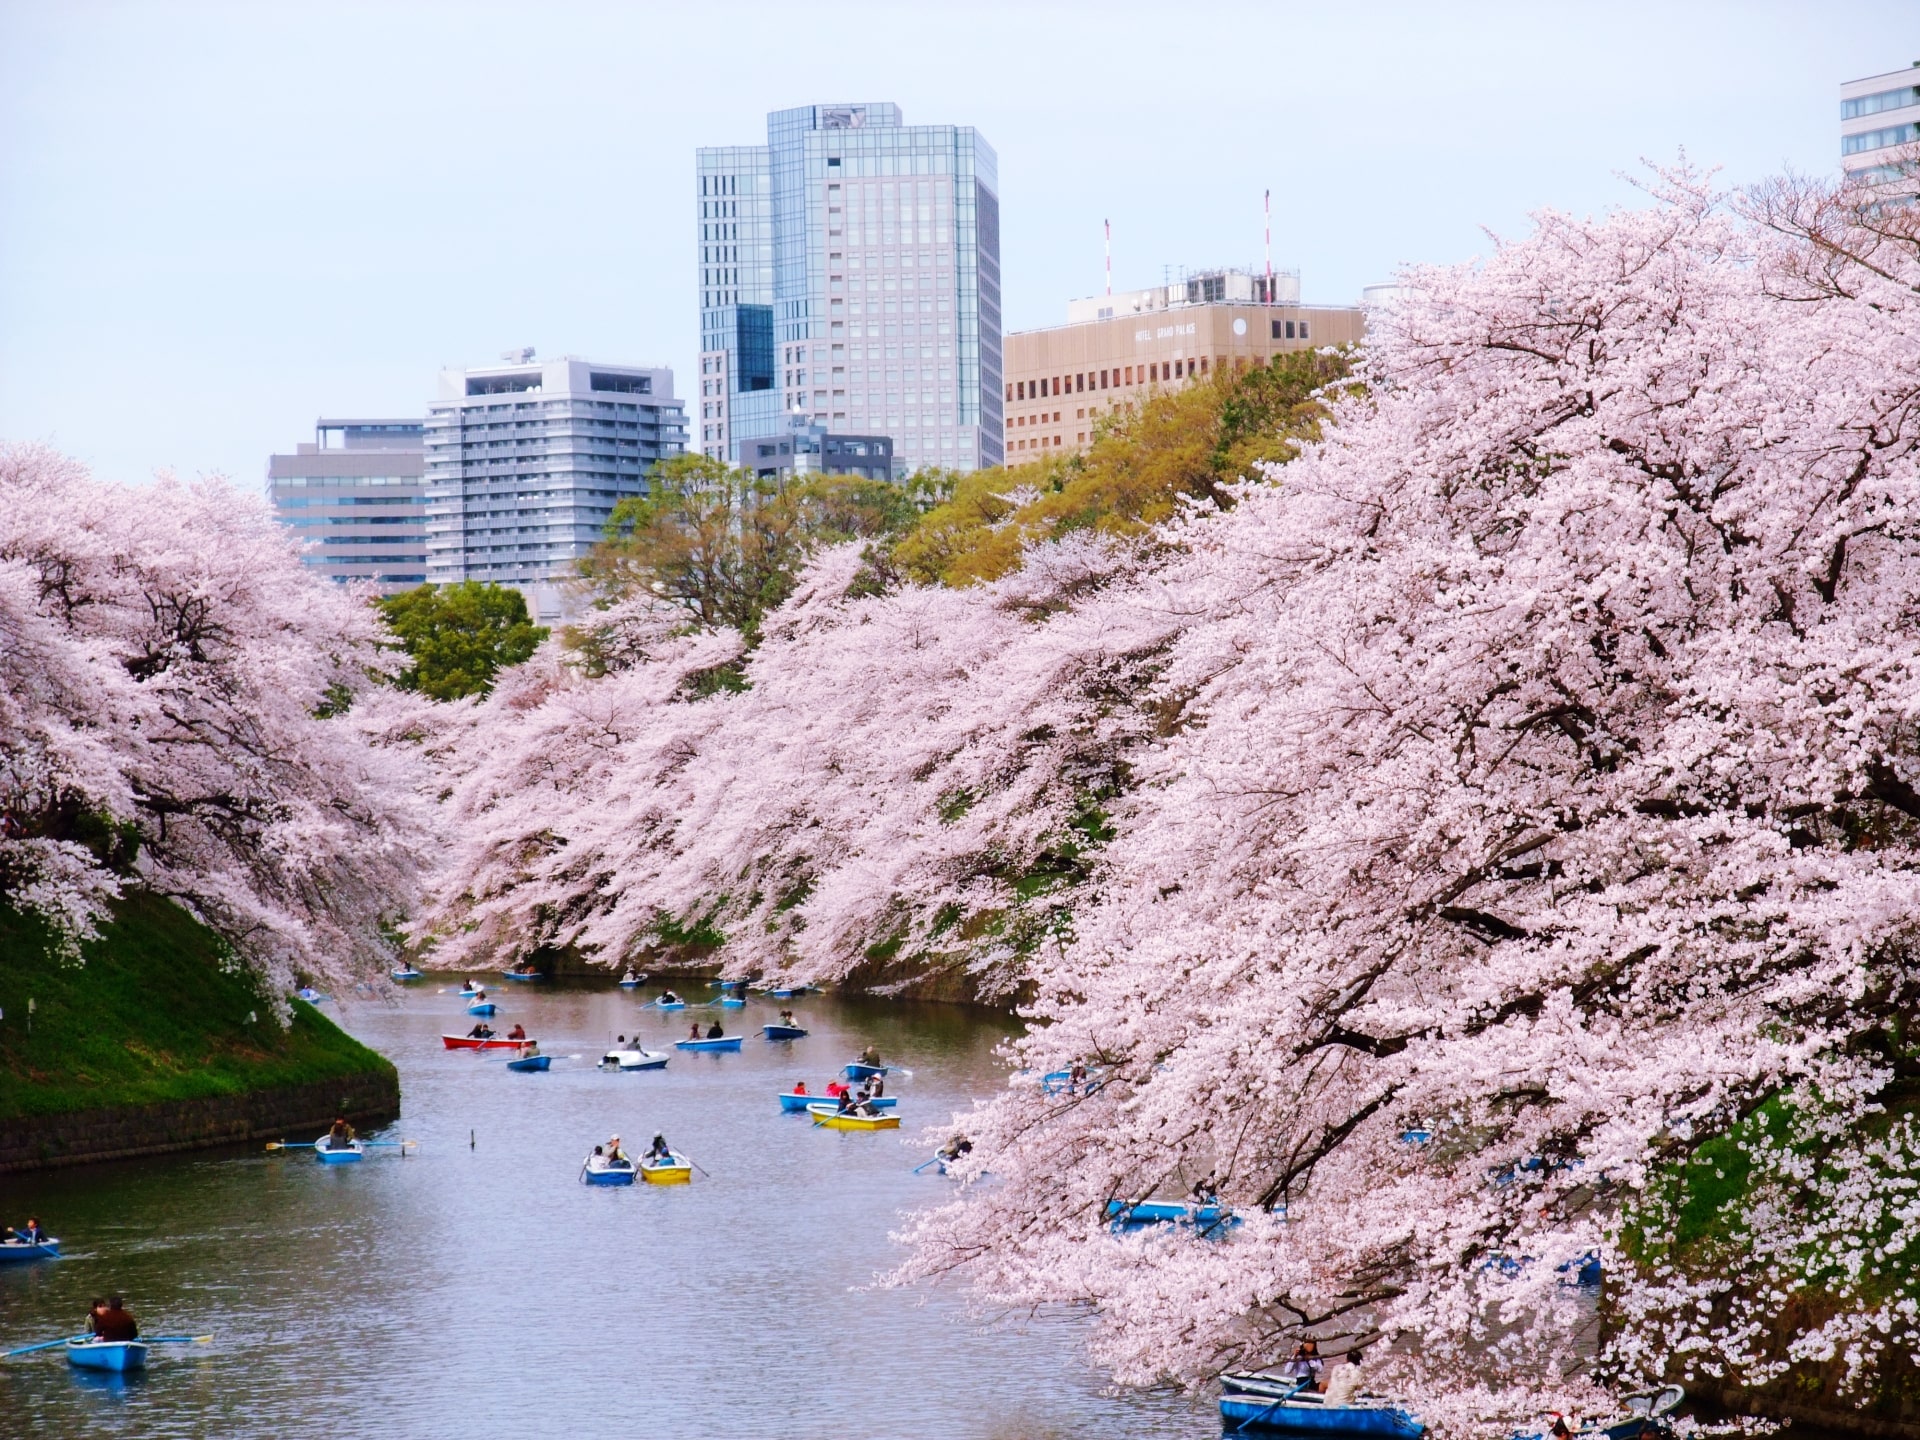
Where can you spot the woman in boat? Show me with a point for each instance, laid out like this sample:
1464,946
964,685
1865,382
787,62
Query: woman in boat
876,1086
658,1150
837,1088
844,1102
341,1135
519,1032
786,1018
1305,1366
1077,1076
714,1032
693,1031
479,996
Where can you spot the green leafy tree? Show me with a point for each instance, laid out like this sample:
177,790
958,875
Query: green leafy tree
460,636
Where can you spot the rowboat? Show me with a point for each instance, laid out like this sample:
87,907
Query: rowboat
856,1071
483,1007
523,974
802,1101
345,1154
1262,1413
1644,1417
783,1032
632,1060
1059,1082
669,1004
781,994
493,1042
118,1356
830,1116
674,1170
19,1252
1170,1212
599,1170
726,1042
468,990
406,972
311,995
731,1002
630,981
528,1063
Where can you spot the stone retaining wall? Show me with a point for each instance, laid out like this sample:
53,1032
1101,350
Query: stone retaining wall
39,1142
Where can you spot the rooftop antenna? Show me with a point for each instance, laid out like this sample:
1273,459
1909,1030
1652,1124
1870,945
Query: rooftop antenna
1269,205
1109,225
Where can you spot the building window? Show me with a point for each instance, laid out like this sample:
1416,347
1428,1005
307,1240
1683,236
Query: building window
1303,329
1153,372
1276,330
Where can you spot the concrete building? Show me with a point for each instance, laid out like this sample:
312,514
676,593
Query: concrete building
850,274
1116,349
359,492
810,449
1879,125
525,461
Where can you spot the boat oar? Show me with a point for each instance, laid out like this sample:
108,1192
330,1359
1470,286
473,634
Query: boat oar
176,1339
291,1144
693,1162
934,1160
43,1345
1266,1413
389,1144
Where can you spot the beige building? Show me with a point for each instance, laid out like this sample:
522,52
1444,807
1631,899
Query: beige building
1117,349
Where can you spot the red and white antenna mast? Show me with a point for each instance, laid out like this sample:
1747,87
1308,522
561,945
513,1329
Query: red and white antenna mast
1269,204
1109,225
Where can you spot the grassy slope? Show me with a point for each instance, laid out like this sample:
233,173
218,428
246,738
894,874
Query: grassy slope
152,1015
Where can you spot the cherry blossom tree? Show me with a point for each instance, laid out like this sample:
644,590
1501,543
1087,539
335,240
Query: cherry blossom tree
184,706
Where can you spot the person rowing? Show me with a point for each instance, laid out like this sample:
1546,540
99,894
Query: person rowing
480,1031
786,1018
658,1151
30,1233
340,1137
615,1155
113,1321
519,1032
870,1055
529,1049
799,1087
667,997
479,997
714,1032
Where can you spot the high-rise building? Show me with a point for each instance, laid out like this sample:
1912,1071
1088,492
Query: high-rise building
525,462
1114,349
359,493
850,275
1879,125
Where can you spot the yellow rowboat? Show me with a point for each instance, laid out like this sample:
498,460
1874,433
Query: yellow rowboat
830,1116
674,1171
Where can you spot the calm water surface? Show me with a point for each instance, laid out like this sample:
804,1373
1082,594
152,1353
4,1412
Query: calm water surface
482,1288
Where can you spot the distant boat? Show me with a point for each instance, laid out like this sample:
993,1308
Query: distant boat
345,1154
831,1116
117,1356
406,972
731,1002
784,1032
674,1170
599,1170
529,1063
473,1042
1272,1409
729,1042
311,995
632,1060
858,1071
1210,1216
483,1007
19,1252
802,1101
523,974
630,980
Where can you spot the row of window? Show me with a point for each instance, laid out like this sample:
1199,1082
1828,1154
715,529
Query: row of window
345,482
299,503
1151,373
1879,139
1885,100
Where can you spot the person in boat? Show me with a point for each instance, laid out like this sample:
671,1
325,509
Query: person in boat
529,1049
659,1150
877,1086
786,1018
478,996
615,1155
341,1135
863,1104
714,1032
667,997
115,1322
30,1233
1077,1076
1560,1429
870,1055
519,1032
955,1148
480,1031
1304,1367
693,1031
836,1088
1205,1192
843,1102
94,1312
1343,1381
799,1087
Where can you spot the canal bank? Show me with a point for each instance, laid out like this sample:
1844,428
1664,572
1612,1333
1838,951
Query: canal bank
159,1041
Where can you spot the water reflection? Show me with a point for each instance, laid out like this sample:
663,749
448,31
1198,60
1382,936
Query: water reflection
477,1282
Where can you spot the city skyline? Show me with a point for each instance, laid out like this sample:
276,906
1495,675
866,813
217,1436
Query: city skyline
268,230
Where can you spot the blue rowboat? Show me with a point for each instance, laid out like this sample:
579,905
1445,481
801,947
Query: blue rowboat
405,972
791,1101
311,995
632,982
19,1252
1170,1212
669,1004
732,1002
469,990
783,1032
528,1063
1262,1414
856,1071
728,1042
482,1007
344,1155
598,1170
117,1356
781,994
523,974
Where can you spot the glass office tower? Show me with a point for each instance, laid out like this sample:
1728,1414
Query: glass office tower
850,275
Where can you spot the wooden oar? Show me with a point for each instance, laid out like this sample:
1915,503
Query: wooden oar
693,1162
176,1339
43,1345
388,1144
291,1144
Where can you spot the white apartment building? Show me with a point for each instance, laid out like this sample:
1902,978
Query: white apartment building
1880,125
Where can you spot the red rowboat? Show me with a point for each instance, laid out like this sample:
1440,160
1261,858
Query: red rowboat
467,1042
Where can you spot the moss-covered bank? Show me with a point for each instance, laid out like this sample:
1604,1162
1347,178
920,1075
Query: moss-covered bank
160,1019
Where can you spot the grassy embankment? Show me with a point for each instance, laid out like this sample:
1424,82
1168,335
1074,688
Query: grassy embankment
156,1013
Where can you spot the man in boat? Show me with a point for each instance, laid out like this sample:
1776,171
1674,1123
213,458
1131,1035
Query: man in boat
659,1150
529,1049
667,997
519,1032
1343,1381
786,1018
31,1232
870,1055
615,1155
863,1103
714,1032
480,1031
115,1322
1077,1076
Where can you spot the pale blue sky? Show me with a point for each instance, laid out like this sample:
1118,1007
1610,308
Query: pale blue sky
218,221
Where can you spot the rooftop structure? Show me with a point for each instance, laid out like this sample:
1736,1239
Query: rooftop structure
358,493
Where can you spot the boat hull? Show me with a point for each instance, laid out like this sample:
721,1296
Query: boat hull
516,975
730,1042
114,1356
483,1007
674,1172
669,1004
468,1042
350,1154
1169,1212
529,1064
830,1117
18,1252
607,1174
405,974
856,1071
632,1060
790,1101
784,1032
629,984
1263,1416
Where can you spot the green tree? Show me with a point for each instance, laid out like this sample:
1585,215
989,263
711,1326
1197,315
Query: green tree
459,636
